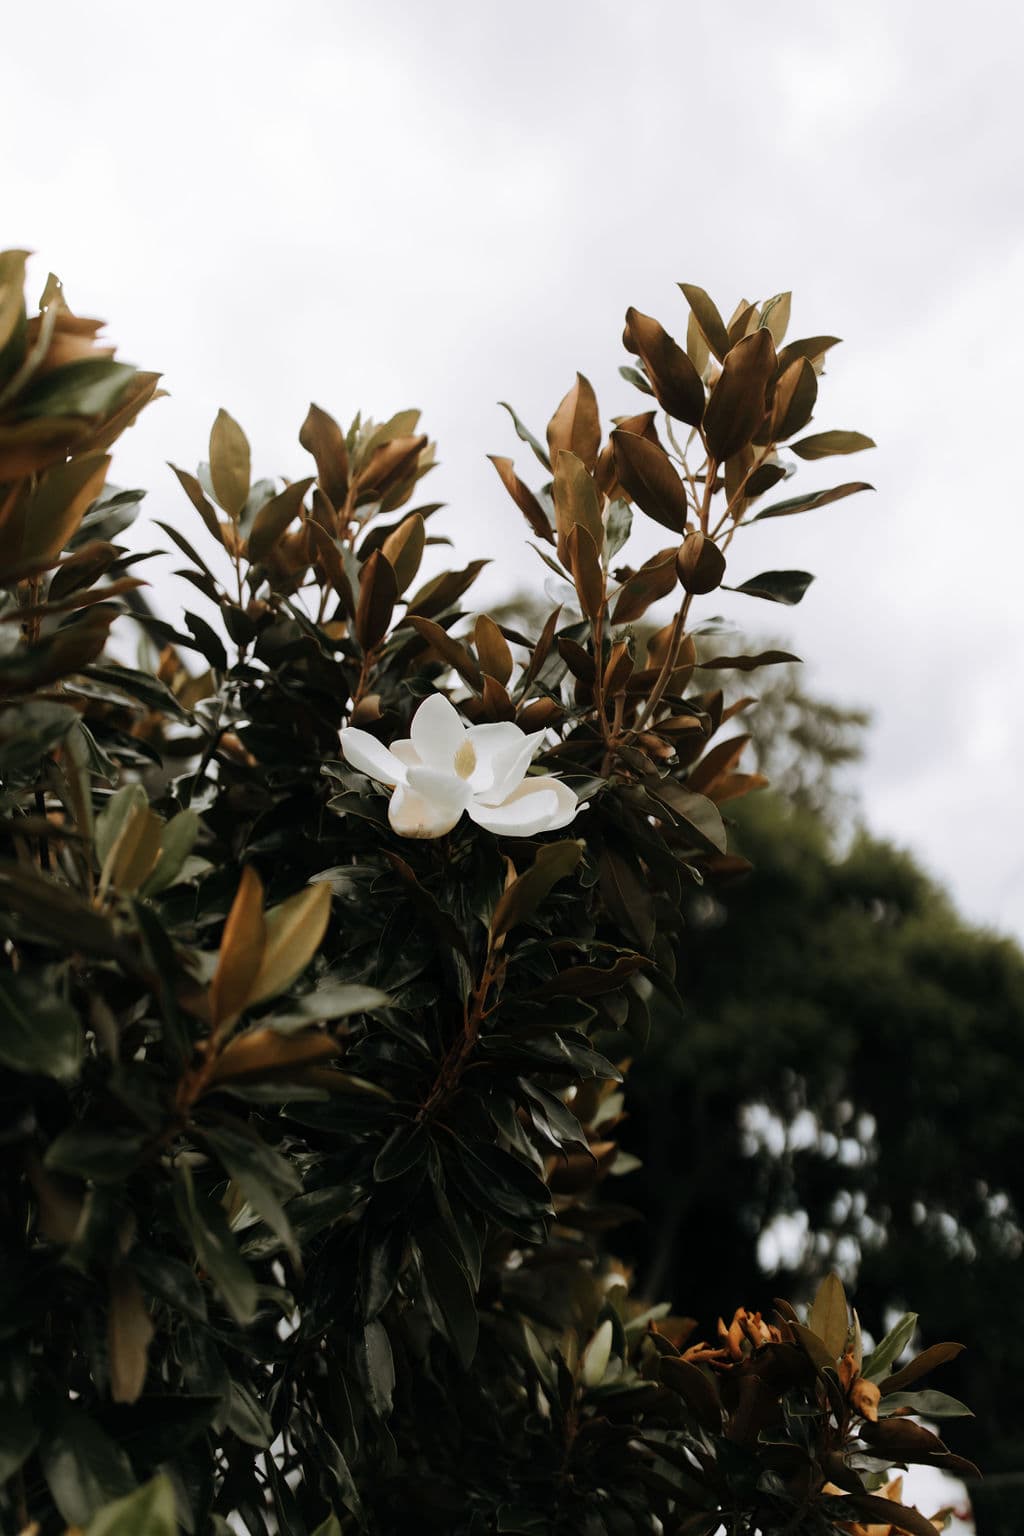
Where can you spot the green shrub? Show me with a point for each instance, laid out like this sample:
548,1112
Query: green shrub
311,1082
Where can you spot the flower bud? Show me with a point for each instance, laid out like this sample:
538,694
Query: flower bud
700,563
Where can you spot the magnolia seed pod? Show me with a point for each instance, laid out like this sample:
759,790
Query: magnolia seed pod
700,563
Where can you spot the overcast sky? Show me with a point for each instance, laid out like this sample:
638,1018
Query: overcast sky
451,203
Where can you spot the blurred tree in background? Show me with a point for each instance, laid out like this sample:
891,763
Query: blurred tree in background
846,1092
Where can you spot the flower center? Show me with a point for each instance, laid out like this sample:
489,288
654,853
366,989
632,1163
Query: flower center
465,759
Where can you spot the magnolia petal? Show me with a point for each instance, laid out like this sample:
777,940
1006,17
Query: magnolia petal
524,813
406,752
412,815
437,731
492,743
366,754
569,805
510,770
440,786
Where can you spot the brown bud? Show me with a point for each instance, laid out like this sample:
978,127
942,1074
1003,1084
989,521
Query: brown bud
700,563
864,1398
367,711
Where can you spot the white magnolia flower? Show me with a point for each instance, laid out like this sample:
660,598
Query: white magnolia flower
445,767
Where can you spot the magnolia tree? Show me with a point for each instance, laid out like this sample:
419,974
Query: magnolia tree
326,941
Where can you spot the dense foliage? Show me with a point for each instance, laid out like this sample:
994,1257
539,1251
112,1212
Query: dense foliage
307,1121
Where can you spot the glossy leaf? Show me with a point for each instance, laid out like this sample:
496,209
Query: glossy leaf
378,593
812,499
576,500
404,550
273,518
230,469
876,1365
321,436
524,498
520,900
676,383
648,476
585,565
823,444
707,318
795,395
777,586
700,563
492,648
830,1315
747,663
241,954
935,1355
149,1511
738,403
576,425
215,1248
929,1404
404,1149
655,579
19,1435
526,436
293,933
129,1331
83,1466
56,508
38,1032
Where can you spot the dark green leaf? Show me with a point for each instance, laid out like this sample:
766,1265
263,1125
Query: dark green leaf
927,1360
273,518
380,1367
696,813
84,1468
747,663
149,1511
404,1149
553,862
89,388
636,378
38,1032
266,1179
449,1285
18,1438
143,686
215,1248
777,586
813,499
526,436
383,1251
171,1280
30,731
876,1365
247,1418
106,1153
209,642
